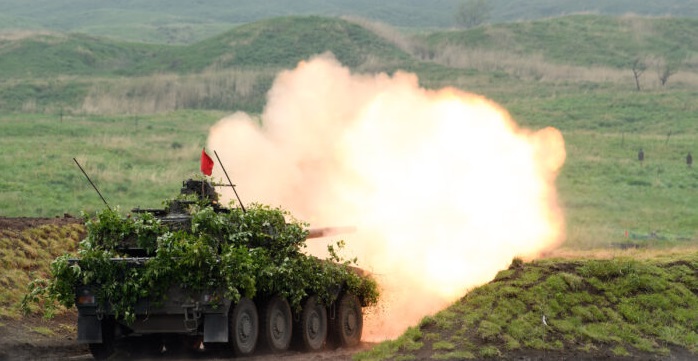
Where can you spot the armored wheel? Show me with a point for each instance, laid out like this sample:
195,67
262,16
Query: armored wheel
348,323
244,327
312,326
277,324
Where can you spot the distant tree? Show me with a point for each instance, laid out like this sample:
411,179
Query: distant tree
472,13
664,72
668,66
639,67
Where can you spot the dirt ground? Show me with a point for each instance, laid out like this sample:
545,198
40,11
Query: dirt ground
21,223
19,341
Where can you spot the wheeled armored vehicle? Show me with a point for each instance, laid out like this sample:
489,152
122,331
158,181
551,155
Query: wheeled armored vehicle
195,276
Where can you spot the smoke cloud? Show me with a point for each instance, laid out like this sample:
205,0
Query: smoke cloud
442,187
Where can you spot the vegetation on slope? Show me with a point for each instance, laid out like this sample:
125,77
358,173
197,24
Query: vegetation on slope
74,54
234,70
278,43
26,252
283,42
179,22
584,308
583,40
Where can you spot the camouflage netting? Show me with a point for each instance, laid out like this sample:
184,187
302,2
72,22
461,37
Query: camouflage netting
232,253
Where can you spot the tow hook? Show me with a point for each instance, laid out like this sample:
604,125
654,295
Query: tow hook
192,314
100,313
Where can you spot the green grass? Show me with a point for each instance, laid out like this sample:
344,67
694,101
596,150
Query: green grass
625,306
585,40
405,345
44,331
283,42
277,43
133,160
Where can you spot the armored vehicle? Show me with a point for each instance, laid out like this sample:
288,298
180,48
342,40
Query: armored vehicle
195,276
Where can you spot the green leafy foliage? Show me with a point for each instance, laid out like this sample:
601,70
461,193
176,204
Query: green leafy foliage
231,252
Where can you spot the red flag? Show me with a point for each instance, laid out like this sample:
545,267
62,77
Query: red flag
206,163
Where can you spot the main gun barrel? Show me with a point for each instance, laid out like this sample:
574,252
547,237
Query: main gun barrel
329,231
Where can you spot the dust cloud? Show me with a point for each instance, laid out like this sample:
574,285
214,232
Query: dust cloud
442,187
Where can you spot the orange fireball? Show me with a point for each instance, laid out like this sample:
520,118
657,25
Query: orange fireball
444,189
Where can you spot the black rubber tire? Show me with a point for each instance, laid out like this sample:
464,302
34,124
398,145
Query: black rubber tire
244,328
277,325
347,326
312,326
102,351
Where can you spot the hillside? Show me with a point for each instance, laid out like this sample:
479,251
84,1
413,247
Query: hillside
27,247
283,42
47,72
625,308
583,40
277,43
181,22
54,54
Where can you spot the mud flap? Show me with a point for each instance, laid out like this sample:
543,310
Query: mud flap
215,327
89,329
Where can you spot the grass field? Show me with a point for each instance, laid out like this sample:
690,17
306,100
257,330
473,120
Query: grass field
133,160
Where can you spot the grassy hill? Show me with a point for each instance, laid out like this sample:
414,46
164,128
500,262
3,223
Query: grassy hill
582,309
283,42
583,40
277,43
51,55
539,58
181,22
57,71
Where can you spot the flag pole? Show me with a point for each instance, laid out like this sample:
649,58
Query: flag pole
231,183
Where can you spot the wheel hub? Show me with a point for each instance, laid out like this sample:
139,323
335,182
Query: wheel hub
314,324
245,327
279,325
350,322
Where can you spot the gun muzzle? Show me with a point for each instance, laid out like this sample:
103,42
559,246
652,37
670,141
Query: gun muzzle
329,231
